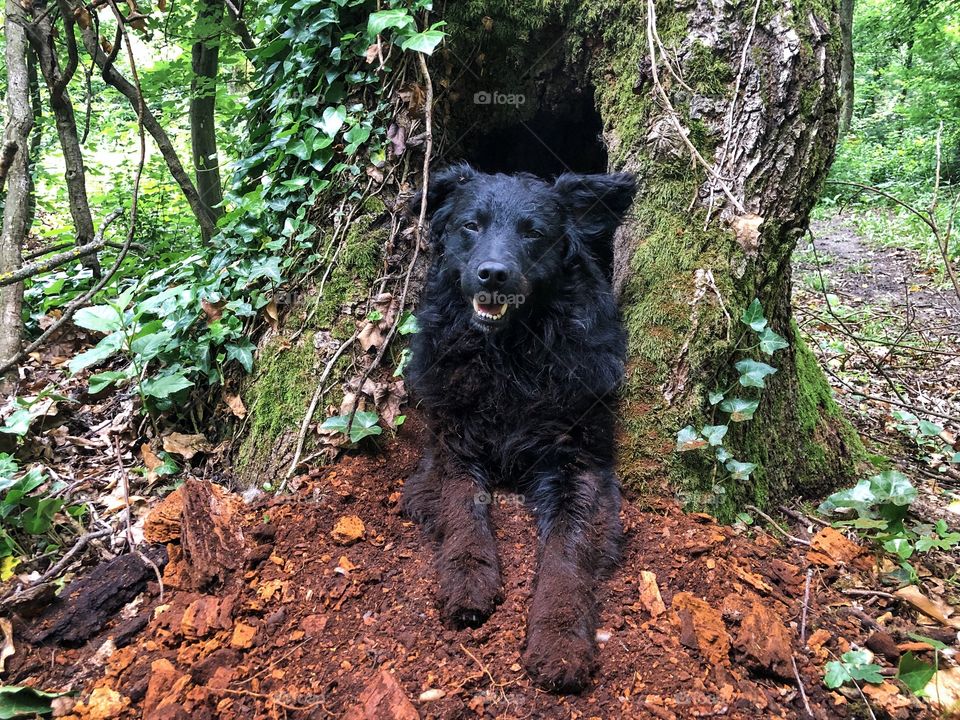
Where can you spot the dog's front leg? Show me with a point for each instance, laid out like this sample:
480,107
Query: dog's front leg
579,524
467,562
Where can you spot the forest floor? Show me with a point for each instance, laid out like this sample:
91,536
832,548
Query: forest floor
321,603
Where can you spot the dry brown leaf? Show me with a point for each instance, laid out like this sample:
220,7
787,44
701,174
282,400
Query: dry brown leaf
371,53
213,311
829,547
150,459
747,229
936,609
243,636
235,403
943,690
887,696
272,314
186,446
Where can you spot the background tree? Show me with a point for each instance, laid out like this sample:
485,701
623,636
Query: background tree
15,179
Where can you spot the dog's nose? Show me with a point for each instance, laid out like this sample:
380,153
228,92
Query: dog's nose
492,275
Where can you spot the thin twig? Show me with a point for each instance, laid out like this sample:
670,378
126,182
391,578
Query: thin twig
803,692
788,536
806,607
312,408
866,592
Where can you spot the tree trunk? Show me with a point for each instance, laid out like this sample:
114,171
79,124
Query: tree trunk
41,37
115,79
203,99
16,206
846,65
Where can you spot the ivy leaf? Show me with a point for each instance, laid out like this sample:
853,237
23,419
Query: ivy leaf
714,433
100,318
18,423
689,439
853,665
914,673
752,373
101,381
753,316
955,459
425,42
364,425
242,352
770,342
715,397
380,21
21,701
166,385
739,408
900,547
723,454
406,355
929,429
106,348
408,324
740,470
332,120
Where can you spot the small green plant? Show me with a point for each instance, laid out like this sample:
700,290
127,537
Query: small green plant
931,440
737,407
364,424
854,666
877,507
28,507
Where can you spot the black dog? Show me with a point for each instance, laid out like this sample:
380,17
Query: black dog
517,364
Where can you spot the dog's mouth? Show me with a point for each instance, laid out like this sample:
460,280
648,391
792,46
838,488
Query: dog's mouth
489,313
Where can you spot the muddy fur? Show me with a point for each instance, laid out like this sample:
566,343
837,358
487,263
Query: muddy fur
525,402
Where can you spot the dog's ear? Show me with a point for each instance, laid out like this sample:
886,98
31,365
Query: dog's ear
596,204
442,184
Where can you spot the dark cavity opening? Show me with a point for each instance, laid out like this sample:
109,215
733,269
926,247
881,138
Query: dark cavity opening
564,135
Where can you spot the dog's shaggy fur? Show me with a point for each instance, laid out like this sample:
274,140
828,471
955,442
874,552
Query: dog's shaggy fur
517,365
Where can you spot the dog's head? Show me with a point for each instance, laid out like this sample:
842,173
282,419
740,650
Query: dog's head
507,240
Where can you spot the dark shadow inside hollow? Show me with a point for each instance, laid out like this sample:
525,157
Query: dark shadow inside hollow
565,135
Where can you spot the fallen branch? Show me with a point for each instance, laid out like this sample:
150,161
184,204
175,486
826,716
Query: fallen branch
803,692
32,269
82,542
788,536
67,245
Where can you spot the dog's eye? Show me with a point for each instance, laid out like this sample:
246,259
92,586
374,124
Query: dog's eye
471,226
533,234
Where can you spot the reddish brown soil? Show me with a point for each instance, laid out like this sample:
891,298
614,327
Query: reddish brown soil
293,637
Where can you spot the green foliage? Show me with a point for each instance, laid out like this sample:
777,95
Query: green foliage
362,424
20,701
751,374
28,507
907,82
880,505
854,666
914,673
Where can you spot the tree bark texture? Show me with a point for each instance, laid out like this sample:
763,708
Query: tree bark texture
846,65
205,59
16,201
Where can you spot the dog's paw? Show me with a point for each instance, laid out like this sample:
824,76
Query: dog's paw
469,606
559,661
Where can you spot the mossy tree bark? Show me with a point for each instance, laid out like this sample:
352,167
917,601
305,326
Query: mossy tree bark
752,88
